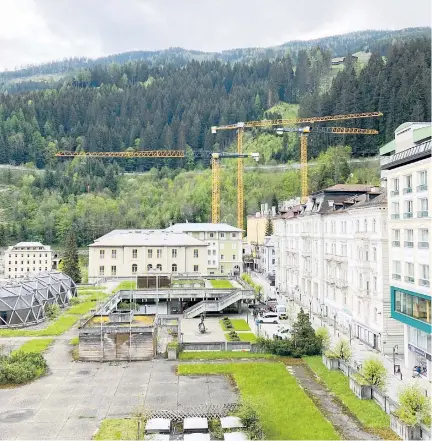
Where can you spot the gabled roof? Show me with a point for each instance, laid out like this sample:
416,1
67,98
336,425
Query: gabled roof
198,227
349,187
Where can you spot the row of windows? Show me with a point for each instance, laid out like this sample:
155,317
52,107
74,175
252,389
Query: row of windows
422,209
149,253
28,262
19,255
408,183
174,269
409,275
408,236
28,269
413,306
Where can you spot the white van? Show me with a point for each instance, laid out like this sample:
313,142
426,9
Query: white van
269,317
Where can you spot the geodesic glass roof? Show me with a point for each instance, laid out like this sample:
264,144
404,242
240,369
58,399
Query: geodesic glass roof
23,302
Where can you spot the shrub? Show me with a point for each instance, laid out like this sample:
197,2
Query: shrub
277,347
374,371
343,349
128,306
249,418
414,405
323,335
331,354
52,311
21,367
304,340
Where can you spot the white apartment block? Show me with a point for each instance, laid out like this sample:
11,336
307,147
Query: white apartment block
331,258
407,168
266,261
225,245
131,253
26,259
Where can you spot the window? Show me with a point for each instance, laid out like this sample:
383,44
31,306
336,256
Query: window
149,267
413,306
113,254
159,267
134,268
222,269
423,207
174,253
365,225
409,238
374,254
195,252
209,252
396,270
424,275
222,235
409,272
408,209
159,253
374,226
211,234
234,257
209,262
222,257
101,254
423,238
408,184
395,187
113,270
174,267
101,270
150,253
195,268
134,254
214,252
375,283
395,210
396,238
422,180
234,235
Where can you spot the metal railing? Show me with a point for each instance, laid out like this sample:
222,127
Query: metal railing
407,190
424,282
423,244
396,276
408,244
408,215
422,213
394,193
422,150
409,279
422,187
395,243
395,216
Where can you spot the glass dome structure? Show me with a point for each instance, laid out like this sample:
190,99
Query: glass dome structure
23,302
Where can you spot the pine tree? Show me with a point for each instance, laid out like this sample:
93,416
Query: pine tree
70,260
3,239
304,338
269,227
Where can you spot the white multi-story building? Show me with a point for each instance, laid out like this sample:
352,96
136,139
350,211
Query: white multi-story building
268,256
331,258
27,259
407,168
225,245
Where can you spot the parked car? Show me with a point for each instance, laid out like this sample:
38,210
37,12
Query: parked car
282,333
269,317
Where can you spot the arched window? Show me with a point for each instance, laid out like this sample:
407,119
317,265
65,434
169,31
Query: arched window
374,254
365,225
174,268
374,225
134,268
159,267
358,225
149,267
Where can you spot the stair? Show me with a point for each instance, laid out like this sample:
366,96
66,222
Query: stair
213,305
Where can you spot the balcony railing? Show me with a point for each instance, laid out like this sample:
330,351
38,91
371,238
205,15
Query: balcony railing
396,276
422,187
396,243
409,279
423,244
394,193
408,215
395,216
407,190
408,244
415,153
422,213
424,282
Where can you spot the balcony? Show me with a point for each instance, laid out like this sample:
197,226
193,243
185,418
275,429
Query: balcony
396,276
422,187
341,283
340,258
408,215
423,245
424,282
422,213
408,244
407,156
407,190
395,216
394,193
395,243
409,279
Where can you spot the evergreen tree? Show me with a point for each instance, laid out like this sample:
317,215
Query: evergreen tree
3,238
269,227
305,341
70,259
275,203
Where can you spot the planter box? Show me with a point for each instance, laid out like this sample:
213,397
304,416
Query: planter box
362,391
331,363
404,431
172,354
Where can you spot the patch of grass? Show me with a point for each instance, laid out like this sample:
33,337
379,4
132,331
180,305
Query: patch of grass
221,284
126,284
223,355
238,325
37,345
58,327
287,110
244,336
370,415
182,282
74,341
82,308
284,409
117,429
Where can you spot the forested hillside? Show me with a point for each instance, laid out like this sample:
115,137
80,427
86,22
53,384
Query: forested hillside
137,106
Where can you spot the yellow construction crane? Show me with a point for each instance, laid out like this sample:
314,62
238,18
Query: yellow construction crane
303,145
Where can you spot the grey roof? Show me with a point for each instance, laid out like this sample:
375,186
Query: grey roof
198,227
149,238
29,245
381,199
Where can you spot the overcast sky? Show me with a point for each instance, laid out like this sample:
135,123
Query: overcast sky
34,31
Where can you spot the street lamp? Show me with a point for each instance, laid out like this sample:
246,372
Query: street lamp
395,349
334,317
310,309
